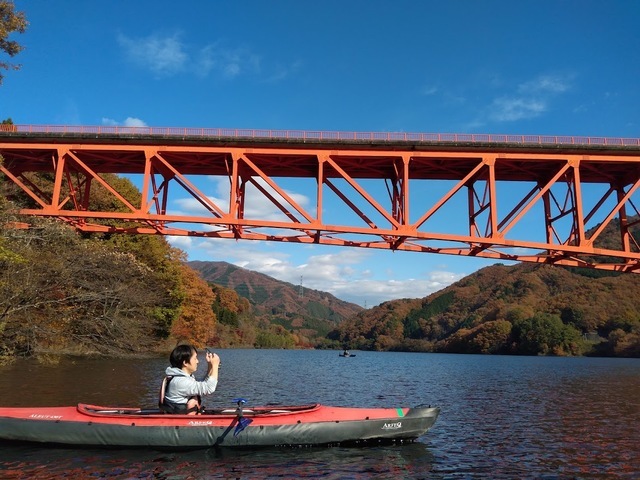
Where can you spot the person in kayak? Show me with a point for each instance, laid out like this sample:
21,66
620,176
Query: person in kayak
180,391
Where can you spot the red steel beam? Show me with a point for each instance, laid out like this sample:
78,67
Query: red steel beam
373,190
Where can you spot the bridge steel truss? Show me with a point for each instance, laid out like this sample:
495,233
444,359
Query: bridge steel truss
499,200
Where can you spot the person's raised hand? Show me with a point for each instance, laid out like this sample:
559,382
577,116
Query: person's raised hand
212,359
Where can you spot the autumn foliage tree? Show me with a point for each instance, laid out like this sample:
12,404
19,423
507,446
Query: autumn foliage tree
237,325
490,337
196,322
59,293
10,22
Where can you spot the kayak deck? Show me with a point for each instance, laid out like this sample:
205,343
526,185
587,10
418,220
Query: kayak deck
94,410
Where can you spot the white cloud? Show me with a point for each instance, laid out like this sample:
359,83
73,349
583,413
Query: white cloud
191,207
134,122
360,288
228,61
169,55
163,56
257,206
128,122
429,90
183,243
545,84
530,99
509,109
232,69
374,292
284,71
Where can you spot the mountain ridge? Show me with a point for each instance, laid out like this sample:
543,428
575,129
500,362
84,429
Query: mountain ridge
289,305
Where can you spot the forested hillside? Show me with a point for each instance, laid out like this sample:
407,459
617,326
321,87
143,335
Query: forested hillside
306,312
523,309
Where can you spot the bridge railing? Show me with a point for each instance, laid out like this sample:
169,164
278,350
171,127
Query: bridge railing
315,135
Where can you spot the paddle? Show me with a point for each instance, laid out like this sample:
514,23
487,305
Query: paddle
242,421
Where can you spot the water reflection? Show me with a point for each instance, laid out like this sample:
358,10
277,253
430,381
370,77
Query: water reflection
400,461
73,380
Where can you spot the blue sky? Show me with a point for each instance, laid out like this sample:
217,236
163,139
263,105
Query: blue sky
526,67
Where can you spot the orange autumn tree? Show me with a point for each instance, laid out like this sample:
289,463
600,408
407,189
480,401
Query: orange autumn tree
196,323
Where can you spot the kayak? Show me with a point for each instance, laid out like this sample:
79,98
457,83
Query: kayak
347,355
307,425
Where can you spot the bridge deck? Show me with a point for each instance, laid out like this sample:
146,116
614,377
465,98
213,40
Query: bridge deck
294,153
399,191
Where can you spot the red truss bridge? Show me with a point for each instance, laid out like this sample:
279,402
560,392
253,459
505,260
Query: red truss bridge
543,199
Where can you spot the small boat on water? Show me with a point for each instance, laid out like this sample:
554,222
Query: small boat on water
308,425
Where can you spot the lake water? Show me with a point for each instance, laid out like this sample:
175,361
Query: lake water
502,417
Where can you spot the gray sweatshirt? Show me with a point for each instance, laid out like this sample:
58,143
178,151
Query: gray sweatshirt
183,386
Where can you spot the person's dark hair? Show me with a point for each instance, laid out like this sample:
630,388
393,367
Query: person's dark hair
181,354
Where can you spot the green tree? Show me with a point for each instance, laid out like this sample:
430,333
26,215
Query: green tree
10,22
545,334
275,337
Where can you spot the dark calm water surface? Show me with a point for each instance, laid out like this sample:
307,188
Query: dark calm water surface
502,417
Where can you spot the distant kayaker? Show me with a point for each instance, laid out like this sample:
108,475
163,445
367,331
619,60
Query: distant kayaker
180,391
